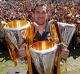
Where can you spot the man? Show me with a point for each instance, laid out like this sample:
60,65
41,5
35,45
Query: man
43,29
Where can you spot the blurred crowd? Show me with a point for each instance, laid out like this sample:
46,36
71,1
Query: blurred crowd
63,12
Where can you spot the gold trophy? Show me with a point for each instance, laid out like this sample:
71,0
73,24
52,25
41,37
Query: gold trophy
66,32
43,54
17,41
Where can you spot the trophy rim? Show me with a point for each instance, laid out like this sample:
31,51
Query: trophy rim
43,51
18,29
67,24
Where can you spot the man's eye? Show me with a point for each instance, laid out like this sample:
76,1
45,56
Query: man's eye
43,12
37,12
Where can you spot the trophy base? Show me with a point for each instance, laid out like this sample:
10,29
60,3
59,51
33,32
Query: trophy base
21,61
13,71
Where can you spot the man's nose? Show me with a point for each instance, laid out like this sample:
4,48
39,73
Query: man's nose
40,15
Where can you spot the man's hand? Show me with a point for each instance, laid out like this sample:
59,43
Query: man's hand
64,53
22,51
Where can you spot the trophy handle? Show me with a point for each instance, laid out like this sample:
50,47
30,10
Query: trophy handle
13,56
12,52
29,42
58,62
28,58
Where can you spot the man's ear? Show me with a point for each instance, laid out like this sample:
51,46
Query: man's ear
47,16
32,14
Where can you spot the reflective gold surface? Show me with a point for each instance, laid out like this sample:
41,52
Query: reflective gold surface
42,45
16,24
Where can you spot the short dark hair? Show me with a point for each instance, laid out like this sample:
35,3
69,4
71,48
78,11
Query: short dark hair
39,4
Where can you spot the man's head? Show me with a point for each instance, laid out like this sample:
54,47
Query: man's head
40,14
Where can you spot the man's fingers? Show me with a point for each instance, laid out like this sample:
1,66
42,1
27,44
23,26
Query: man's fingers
65,54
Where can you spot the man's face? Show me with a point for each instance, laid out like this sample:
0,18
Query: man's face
40,15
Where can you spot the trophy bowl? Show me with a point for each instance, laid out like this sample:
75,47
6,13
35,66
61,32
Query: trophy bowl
43,55
66,32
16,37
